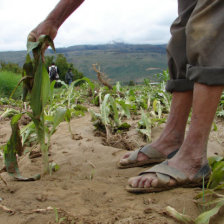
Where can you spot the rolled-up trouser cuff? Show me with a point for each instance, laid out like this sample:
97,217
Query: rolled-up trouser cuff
179,85
211,76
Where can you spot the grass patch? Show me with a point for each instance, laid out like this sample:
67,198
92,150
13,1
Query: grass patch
8,81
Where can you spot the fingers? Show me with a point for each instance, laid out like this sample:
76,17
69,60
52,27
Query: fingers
32,37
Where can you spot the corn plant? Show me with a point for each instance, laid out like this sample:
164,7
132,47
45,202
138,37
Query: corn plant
111,113
38,84
215,200
145,126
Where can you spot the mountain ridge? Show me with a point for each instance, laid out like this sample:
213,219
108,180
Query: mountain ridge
120,61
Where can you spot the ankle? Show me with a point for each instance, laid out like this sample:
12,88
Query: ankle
168,143
192,156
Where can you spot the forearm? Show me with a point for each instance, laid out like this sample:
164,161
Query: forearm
62,11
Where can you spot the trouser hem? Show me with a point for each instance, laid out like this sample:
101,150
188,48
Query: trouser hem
206,75
179,85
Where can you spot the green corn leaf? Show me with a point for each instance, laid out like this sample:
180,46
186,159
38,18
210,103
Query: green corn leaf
159,109
214,159
43,39
91,84
146,133
145,122
118,87
205,217
217,175
64,84
214,202
26,131
115,112
36,102
154,105
31,46
41,90
215,128
49,118
68,115
52,89
58,118
45,87
105,110
148,102
125,108
13,147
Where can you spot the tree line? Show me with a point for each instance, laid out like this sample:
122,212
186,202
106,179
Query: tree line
60,61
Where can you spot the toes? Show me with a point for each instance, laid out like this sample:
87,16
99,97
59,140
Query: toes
124,159
172,182
134,181
145,181
148,183
154,182
126,155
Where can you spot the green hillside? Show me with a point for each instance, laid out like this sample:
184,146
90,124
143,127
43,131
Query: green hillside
121,62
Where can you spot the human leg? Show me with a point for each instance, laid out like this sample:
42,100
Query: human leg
172,136
174,131
204,28
192,153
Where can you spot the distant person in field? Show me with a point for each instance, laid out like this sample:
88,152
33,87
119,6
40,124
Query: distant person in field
53,72
69,76
196,67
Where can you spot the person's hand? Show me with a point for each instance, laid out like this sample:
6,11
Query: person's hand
46,28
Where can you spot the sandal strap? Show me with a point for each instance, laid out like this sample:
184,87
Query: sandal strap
151,152
165,172
134,155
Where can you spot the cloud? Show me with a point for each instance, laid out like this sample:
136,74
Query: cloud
95,22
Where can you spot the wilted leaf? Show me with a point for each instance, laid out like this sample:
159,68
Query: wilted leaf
13,147
178,216
31,46
9,113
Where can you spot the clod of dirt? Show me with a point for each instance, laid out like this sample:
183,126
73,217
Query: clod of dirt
77,137
148,210
25,119
41,198
121,142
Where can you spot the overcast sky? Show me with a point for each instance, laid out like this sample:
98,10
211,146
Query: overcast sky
94,22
